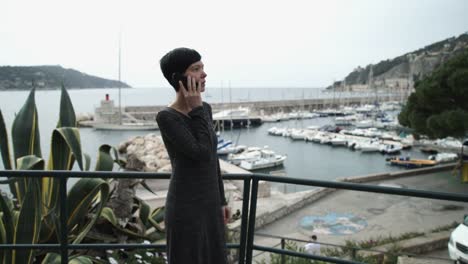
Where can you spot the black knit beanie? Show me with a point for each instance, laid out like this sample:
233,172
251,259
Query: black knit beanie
177,60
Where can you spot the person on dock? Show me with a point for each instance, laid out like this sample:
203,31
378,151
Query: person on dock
196,207
312,247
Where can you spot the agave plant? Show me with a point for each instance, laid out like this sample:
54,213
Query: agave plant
31,215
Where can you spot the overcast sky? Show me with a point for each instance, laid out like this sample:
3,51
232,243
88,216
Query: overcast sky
249,43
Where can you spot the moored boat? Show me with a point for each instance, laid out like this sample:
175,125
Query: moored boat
267,159
411,163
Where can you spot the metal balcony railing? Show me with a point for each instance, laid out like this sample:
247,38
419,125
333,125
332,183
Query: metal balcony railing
246,245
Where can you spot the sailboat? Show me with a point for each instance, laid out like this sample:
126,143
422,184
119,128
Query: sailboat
109,117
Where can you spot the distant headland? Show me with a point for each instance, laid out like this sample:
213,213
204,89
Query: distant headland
51,77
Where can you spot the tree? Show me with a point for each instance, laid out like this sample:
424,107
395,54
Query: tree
439,106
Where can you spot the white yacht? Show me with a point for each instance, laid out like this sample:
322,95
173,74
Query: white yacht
267,159
247,154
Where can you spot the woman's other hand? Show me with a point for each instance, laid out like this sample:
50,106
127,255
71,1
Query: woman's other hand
191,93
226,213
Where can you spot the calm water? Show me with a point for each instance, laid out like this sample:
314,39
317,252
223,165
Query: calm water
305,160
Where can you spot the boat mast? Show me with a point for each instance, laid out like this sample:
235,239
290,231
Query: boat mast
119,84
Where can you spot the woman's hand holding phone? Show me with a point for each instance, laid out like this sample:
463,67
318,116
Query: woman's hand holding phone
191,93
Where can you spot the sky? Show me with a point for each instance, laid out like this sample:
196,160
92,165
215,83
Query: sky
243,43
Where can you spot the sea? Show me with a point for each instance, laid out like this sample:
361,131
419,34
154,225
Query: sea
304,160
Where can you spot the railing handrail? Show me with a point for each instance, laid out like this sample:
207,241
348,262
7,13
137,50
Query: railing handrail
248,219
254,176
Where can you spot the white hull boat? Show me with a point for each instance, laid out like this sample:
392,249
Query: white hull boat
267,159
126,126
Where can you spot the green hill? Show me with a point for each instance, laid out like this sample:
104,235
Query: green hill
404,69
51,77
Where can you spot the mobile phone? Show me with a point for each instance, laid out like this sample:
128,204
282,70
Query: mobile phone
176,77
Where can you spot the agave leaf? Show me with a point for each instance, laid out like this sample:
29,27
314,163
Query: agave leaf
81,260
81,197
67,113
25,130
144,211
49,223
65,149
28,225
109,215
156,236
4,145
2,236
30,162
156,217
104,162
52,258
158,214
8,226
87,161
158,227
117,158
145,185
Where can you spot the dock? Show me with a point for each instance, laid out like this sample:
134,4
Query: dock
267,107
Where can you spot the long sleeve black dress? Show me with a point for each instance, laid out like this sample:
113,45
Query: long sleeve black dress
194,220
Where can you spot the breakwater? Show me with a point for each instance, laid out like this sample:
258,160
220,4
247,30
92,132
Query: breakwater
267,107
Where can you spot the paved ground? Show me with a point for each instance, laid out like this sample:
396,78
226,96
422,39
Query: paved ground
383,215
378,215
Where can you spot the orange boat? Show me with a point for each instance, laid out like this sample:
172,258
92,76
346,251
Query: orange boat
411,163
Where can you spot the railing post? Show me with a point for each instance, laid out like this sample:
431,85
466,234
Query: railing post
63,220
353,253
252,214
245,214
283,245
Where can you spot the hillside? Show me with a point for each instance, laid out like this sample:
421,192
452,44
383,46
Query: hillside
401,72
50,77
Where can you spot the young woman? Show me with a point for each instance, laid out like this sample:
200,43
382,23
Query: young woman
196,209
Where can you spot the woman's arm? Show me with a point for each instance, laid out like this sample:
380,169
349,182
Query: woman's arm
197,146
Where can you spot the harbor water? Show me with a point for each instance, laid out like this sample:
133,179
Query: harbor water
305,160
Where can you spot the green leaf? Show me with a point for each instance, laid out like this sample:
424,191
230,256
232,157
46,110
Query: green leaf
4,145
158,214
156,217
87,161
25,130
104,162
7,221
81,198
30,162
67,113
65,149
28,225
145,185
81,260
109,215
144,212
52,258
3,237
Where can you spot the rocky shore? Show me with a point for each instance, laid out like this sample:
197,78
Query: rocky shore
149,150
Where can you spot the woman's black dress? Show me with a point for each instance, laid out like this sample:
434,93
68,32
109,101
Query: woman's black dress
194,220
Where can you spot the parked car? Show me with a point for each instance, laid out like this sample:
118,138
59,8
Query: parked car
458,243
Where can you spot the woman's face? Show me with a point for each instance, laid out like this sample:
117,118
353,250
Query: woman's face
197,71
